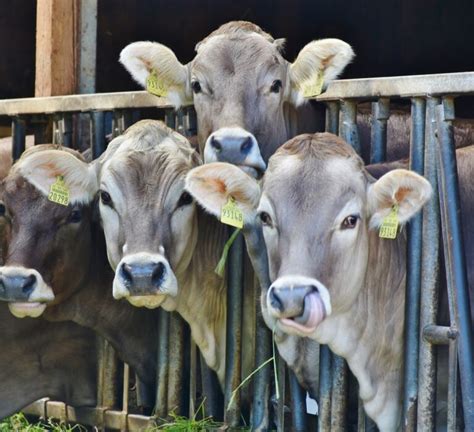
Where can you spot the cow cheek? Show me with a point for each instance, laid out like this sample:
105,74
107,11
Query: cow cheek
183,236
111,226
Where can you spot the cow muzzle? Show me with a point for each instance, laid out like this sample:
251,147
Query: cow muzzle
236,146
25,291
144,280
298,303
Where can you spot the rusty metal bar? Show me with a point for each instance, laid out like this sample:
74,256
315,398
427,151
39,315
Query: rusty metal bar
348,127
378,131
339,394
455,257
429,280
107,386
18,139
161,403
439,335
325,379
413,278
453,385
234,330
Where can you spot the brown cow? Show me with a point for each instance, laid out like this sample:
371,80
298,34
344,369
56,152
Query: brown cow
56,263
244,91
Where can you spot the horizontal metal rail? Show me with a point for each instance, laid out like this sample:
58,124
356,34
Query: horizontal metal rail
401,86
82,103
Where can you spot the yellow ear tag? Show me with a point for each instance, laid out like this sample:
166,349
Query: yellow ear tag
389,227
313,86
231,214
155,85
59,193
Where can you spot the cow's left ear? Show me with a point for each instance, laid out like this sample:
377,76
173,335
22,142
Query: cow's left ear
405,189
317,63
213,184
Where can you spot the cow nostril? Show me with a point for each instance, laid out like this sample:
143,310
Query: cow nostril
275,301
216,145
246,145
126,273
29,284
158,273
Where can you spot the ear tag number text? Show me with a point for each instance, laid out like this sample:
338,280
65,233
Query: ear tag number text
156,85
313,86
59,192
389,227
231,214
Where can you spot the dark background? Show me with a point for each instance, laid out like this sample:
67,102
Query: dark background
390,37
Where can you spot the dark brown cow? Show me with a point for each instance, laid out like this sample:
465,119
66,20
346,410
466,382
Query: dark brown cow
56,264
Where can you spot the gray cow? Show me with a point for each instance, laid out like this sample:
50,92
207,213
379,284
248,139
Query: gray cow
334,280
245,93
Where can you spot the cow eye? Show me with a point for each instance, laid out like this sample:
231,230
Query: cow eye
196,87
105,198
184,199
75,216
3,210
350,222
266,219
276,86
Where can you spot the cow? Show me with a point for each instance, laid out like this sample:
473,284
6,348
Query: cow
55,264
44,359
163,248
334,280
248,98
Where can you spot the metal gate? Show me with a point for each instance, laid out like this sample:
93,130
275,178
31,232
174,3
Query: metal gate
432,153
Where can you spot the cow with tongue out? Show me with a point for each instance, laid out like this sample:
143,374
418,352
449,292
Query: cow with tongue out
336,278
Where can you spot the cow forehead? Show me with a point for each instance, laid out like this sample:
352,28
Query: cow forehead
230,53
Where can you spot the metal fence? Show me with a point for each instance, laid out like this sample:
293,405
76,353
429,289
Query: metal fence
71,119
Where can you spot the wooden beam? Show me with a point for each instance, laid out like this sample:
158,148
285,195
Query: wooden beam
56,52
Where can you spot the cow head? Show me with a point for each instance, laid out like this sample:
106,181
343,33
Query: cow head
148,218
241,87
48,243
319,209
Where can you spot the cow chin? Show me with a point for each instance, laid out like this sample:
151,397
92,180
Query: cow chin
27,309
148,301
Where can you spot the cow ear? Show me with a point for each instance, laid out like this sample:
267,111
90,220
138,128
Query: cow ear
405,189
317,63
213,184
156,68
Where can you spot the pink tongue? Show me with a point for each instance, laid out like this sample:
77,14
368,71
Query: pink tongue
314,313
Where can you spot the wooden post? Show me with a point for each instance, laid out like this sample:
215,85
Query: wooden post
56,23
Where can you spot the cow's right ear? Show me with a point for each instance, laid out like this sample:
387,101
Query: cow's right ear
213,184
145,60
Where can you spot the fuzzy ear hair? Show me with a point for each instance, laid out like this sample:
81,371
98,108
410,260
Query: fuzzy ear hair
212,185
323,59
404,188
144,58
280,45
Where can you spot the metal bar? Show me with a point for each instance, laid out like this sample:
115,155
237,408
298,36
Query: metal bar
18,139
348,127
332,117
176,372
457,261
298,404
161,408
82,103
439,335
126,387
281,374
211,391
401,86
234,331
325,379
107,386
413,277
339,394
429,281
98,143
378,132
452,385
170,118
118,123
65,128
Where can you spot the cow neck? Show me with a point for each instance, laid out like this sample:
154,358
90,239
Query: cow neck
370,334
202,293
131,331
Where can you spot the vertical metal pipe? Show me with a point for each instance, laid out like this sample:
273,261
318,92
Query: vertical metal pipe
118,123
452,385
332,117
281,374
65,127
348,127
176,372
234,330
107,386
211,391
378,132
298,404
455,254
98,143
325,378
170,118
429,280
339,394
161,404
18,139
413,278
